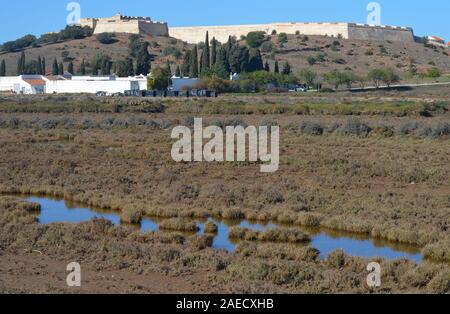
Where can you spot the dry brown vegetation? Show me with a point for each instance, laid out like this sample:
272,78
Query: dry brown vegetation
385,183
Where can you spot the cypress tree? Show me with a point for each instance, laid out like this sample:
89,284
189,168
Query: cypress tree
277,67
143,62
287,68
83,68
44,72
61,68
178,71
185,67
193,69
267,67
255,62
222,60
201,62
130,67
21,64
55,68
24,64
206,57
214,51
39,65
3,68
168,68
70,68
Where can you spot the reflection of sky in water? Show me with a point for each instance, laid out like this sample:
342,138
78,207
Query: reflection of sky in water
362,248
57,211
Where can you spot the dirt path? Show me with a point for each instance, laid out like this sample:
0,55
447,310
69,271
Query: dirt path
31,272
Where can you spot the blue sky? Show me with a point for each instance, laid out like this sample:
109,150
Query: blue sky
40,16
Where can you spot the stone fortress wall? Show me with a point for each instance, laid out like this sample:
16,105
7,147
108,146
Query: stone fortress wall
126,24
196,34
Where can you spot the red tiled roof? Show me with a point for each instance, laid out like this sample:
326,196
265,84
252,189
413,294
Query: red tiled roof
35,82
437,38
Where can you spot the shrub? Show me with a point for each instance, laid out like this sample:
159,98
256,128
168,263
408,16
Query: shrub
255,39
267,47
311,128
210,227
336,259
106,38
131,215
355,128
201,242
270,235
179,224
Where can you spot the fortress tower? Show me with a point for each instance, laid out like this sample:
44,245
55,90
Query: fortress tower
126,24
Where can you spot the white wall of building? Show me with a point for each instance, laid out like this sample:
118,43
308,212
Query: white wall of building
91,87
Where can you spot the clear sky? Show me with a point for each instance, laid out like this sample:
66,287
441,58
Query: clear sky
36,17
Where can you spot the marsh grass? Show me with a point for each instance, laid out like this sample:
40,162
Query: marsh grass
270,235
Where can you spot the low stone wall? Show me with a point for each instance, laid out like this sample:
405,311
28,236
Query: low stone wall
196,34
380,33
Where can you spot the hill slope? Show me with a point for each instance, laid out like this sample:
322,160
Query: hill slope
300,51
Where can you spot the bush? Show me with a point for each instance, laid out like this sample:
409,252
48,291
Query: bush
211,227
354,127
336,259
106,38
179,224
311,128
255,39
131,215
267,47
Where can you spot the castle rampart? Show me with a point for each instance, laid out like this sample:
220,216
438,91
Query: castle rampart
126,24
196,34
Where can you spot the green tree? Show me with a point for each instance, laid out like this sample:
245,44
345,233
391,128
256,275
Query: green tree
434,73
124,68
267,67
277,67
70,68
159,79
206,57
55,68
21,64
40,65
286,68
61,68
178,71
222,60
308,77
239,58
193,68
213,51
185,66
168,68
43,67
143,61
255,62
3,68
255,39
282,38
82,68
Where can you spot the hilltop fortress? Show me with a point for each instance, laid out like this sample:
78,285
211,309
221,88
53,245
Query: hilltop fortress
196,34
126,24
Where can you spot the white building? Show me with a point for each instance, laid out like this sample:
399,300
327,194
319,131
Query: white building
91,86
183,83
23,84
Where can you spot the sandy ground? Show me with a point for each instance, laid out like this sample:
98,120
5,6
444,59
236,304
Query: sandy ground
32,272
